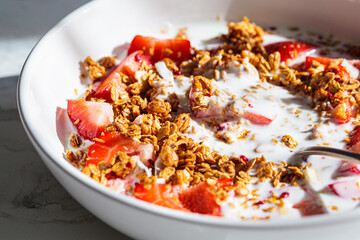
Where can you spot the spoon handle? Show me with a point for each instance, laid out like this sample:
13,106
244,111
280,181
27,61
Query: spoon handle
326,151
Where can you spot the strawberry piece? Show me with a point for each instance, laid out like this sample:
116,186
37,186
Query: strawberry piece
322,60
200,199
339,70
64,126
109,145
117,184
349,168
159,194
212,111
176,49
145,44
342,112
310,206
355,63
346,189
90,118
354,143
257,118
289,50
133,62
128,66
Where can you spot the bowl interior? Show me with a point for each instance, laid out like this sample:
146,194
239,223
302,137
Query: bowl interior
52,71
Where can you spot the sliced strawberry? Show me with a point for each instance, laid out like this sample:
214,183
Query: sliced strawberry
339,70
117,184
133,62
128,66
109,145
104,89
212,111
90,118
342,112
200,198
346,189
349,168
310,206
64,126
159,194
354,143
355,63
257,118
144,44
322,60
289,50
176,49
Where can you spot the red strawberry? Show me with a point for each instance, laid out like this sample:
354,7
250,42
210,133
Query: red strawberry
159,194
322,60
349,168
257,118
90,118
200,199
289,49
339,70
128,66
310,206
346,189
176,49
64,126
212,111
342,112
354,144
109,145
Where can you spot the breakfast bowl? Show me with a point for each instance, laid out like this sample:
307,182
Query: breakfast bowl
52,72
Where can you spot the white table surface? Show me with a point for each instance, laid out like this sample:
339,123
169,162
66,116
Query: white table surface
33,205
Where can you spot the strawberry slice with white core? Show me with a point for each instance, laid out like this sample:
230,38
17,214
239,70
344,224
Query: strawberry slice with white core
212,110
112,82
354,144
64,126
261,111
352,67
118,185
90,118
290,50
311,205
200,198
346,189
349,168
109,144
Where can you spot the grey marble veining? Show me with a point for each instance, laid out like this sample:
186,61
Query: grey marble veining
33,205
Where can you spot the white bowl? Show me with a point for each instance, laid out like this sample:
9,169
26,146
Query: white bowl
51,73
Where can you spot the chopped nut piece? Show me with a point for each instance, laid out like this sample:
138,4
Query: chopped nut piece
289,141
95,71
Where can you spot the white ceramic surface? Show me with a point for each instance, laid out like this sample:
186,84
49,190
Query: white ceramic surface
51,74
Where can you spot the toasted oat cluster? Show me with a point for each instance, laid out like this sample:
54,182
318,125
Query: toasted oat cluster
139,117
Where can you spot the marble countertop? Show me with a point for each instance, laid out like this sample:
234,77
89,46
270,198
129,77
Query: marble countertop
33,205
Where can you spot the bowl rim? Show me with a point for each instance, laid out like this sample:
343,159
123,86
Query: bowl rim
323,219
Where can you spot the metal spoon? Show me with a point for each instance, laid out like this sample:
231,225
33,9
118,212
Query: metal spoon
325,151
